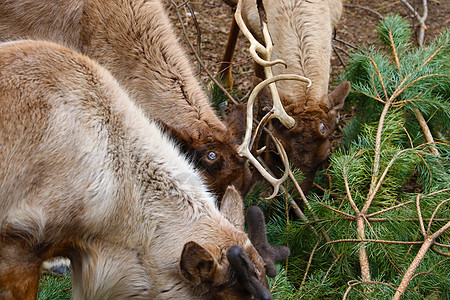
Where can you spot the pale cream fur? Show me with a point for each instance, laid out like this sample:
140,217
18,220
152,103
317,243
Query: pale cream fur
301,31
84,174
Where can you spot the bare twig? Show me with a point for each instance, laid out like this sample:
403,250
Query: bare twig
389,208
362,253
354,283
373,241
419,214
349,216
344,42
339,55
379,15
197,55
347,188
421,19
434,214
446,254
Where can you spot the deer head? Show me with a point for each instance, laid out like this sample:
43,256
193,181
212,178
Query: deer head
308,142
232,271
215,154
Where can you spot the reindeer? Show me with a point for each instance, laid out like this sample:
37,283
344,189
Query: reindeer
301,33
135,41
84,174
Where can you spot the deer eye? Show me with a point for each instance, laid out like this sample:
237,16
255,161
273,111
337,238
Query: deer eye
322,128
211,155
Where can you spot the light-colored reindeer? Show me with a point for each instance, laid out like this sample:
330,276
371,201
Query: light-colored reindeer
301,32
84,174
135,41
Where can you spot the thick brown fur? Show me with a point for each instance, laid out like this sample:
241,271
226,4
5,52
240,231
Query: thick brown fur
301,31
135,41
84,174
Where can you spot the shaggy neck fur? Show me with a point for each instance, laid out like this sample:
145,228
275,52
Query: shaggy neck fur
132,39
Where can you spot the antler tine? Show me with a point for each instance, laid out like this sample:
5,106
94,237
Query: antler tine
266,52
257,235
244,148
255,45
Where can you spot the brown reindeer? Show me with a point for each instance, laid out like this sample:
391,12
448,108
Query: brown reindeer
135,41
301,32
84,174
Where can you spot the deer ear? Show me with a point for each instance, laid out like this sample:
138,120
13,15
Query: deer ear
264,97
232,207
235,122
197,264
337,97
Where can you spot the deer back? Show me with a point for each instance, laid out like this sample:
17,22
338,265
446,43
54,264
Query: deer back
84,174
135,41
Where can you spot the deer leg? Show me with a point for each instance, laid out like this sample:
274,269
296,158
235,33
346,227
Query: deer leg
19,271
225,67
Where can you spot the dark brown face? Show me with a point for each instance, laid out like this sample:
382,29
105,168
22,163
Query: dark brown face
308,142
232,291
221,166
217,159
217,273
214,152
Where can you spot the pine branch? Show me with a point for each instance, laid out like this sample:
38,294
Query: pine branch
429,241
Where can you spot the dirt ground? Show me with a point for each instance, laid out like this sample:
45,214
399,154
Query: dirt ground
357,27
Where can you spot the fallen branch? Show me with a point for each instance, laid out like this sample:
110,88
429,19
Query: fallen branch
197,55
429,241
421,19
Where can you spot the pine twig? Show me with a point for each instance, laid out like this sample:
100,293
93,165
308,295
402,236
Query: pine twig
302,195
324,278
309,262
426,130
382,246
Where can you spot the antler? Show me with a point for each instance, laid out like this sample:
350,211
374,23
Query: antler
277,110
257,235
244,148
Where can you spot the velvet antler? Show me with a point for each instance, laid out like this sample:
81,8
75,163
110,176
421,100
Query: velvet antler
245,272
257,235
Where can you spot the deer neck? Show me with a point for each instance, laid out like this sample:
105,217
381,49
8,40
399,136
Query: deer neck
146,57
